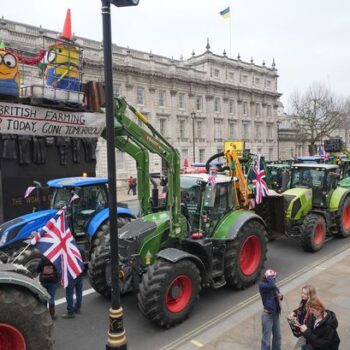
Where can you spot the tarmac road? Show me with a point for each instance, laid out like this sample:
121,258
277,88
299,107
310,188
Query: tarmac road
88,331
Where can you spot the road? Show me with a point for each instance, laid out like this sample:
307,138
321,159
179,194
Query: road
88,331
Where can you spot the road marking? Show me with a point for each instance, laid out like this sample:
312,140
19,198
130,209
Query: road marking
85,292
197,343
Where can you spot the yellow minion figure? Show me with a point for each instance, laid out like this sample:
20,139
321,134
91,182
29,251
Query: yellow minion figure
9,72
63,61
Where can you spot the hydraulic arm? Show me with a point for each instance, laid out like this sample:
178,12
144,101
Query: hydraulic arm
134,140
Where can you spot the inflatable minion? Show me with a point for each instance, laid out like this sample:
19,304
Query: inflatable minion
9,73
63,61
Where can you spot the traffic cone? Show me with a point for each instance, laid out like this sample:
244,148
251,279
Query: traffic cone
67,28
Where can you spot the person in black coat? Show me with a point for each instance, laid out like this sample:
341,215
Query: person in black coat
320,331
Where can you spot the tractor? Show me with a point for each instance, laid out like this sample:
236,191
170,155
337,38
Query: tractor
87,217
204,237
313,207
25,322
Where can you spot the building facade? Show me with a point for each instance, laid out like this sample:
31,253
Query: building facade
200,101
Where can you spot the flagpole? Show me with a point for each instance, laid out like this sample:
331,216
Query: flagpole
230,35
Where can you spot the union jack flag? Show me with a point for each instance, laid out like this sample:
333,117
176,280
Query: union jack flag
56,242
260,187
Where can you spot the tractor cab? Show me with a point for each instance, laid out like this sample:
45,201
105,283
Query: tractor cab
279,175
205,200
322,179
90,198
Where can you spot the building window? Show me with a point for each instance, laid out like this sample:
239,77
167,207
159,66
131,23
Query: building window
199,127
162,96
217,130
217,105
257,81
232,107
202,155
257,109
269,131
162,126
199,103
182,129
181,101
245,131
231,76
268,84
258,131
245,108
244,79
219,150
270,153
140,98
216,73
232,131
120,161
117,90
269,109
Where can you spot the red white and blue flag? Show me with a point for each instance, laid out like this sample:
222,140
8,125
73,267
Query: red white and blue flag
258,176
56,242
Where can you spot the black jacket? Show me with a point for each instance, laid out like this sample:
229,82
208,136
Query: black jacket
324,336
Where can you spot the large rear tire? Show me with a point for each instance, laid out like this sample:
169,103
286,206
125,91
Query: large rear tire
99,270
169,291
30,258
313,233
25,322
343,219
245,256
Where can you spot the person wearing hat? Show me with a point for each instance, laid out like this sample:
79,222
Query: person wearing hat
270,296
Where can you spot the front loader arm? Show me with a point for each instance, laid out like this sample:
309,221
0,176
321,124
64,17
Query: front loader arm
155,143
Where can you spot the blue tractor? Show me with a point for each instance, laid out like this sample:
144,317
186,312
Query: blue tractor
88,217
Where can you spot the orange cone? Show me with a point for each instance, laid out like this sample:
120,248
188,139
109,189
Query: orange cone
67,28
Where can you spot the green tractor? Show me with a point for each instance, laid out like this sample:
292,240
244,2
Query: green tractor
315,207
203,238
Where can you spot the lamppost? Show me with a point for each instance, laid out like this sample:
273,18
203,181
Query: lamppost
116,335
278,139
193,116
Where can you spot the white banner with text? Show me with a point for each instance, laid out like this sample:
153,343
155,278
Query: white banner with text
37,121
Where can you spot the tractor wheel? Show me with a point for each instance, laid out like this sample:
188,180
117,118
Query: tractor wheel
313,233
343,219
102,235
245,256
99,270
30,258
25,322
168,291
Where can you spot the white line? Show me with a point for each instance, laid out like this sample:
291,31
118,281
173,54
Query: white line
85,292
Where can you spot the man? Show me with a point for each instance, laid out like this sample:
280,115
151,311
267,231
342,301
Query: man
77,286
270,296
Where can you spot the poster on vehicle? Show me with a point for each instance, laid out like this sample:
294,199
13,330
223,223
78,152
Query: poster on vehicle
237,145
22,119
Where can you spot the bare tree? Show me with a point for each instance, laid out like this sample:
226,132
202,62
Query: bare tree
318,113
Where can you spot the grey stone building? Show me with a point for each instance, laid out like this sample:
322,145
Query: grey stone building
210,96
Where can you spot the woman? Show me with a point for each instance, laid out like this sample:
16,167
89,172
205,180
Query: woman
302,313
320,331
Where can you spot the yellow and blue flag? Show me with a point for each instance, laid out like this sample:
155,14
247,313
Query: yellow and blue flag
225,13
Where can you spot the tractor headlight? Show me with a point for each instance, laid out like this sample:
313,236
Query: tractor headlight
10,234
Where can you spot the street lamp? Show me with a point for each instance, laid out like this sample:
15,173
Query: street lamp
193,116
116,335
278,139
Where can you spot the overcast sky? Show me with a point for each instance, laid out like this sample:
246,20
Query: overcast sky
309,39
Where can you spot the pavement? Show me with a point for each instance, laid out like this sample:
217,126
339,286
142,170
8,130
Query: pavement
123,196
240,327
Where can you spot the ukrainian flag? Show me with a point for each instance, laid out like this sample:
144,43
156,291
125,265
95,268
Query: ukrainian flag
225,13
